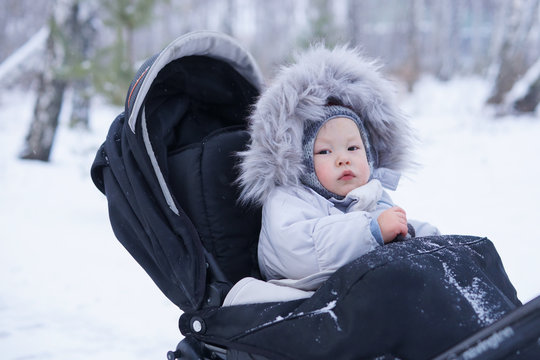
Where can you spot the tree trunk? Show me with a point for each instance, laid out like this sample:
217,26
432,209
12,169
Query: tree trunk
229,17
530,101
82,39
80,104
40,138
447,37
354,25
512,55
478,61
411,67
272,35
50,94
525,95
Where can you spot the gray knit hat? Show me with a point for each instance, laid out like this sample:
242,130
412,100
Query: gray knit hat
311,129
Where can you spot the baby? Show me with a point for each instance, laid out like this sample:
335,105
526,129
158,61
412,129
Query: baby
339,160
326,137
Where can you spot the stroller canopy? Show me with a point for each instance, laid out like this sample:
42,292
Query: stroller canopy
199,84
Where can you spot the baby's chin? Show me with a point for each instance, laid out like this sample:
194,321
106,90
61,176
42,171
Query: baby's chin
343,191
347,188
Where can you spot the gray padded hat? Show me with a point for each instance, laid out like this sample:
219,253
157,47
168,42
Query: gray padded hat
311,129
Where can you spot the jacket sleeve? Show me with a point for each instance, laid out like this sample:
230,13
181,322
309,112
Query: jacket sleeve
301,236
423,228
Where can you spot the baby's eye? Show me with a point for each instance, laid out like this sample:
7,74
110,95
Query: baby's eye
322,152
353,148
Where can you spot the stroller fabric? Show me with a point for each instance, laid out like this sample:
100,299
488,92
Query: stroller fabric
210,202
408,300
200,83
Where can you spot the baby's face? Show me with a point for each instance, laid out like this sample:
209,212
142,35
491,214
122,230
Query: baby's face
339,156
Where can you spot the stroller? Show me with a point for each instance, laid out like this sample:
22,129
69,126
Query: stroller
168,170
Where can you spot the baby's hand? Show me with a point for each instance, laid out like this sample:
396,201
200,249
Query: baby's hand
392,222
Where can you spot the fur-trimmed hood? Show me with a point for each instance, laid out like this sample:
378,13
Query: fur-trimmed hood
274,156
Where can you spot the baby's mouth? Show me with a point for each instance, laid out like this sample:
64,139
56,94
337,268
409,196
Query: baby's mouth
346,175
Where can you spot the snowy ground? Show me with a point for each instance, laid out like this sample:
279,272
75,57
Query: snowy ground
70,291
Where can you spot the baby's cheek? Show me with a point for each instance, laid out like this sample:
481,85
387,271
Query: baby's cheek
323,172
365,173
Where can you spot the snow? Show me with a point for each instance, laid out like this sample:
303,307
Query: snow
475,296
27,57
70,291
327,309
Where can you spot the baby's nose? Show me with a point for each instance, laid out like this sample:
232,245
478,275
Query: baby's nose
343,161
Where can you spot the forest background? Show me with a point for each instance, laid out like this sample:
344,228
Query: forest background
89,47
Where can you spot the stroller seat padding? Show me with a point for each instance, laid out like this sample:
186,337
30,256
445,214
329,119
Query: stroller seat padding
253,291
202,177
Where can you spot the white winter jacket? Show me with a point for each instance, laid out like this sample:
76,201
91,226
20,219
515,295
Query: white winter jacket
305,238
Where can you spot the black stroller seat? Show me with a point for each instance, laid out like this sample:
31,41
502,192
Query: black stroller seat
227,230
168,169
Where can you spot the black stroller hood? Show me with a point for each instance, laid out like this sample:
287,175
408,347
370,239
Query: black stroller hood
214,81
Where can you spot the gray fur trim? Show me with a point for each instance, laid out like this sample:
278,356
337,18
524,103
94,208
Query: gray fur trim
274,156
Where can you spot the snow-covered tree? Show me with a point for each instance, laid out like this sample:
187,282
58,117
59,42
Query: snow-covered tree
512,56
529,102
19,21
25,60
525,94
